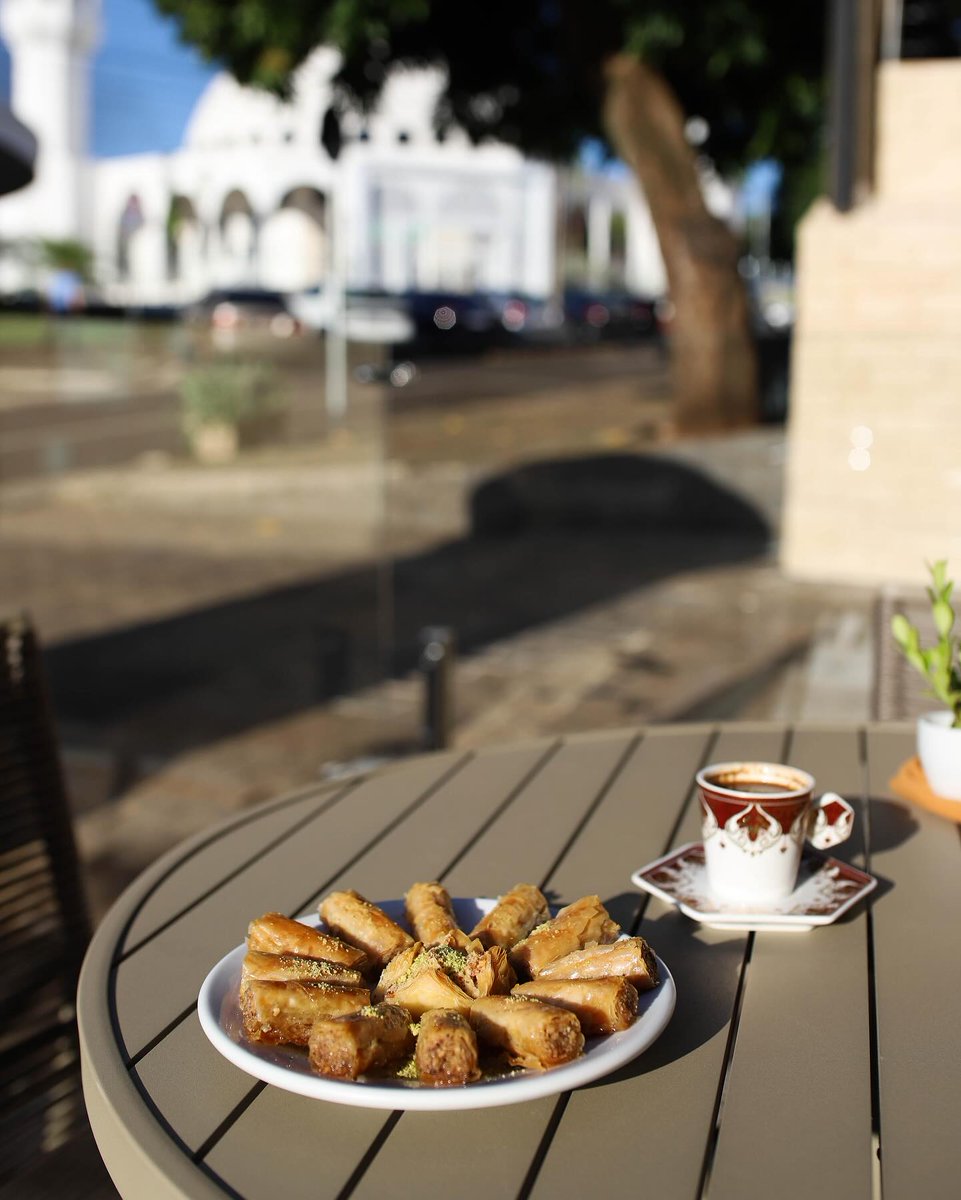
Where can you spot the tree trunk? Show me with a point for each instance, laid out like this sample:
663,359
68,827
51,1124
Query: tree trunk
713,356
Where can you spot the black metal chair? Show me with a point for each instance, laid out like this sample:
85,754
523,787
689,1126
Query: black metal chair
900,692
44,930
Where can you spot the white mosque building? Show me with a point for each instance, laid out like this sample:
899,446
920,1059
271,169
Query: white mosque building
251,197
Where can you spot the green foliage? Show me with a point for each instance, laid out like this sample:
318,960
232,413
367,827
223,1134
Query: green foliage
940,664
227,393
530,72
66,254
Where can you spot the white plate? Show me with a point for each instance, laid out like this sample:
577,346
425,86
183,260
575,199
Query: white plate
287,1066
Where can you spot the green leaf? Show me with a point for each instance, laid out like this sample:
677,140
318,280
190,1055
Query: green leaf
902,629
939,658
943,617
916,659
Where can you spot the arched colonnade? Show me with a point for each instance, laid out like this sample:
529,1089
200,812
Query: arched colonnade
283,248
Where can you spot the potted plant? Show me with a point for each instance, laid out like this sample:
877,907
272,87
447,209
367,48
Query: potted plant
939,733
227,405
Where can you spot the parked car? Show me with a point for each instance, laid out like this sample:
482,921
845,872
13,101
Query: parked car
591,315
524,317
369,316
452,314
230,310
458,322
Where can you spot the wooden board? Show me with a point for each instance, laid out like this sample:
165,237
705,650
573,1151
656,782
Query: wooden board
159,983
801,1059
493,792
917,955
637,1113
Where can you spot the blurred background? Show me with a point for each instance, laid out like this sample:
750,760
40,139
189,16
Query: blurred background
372,383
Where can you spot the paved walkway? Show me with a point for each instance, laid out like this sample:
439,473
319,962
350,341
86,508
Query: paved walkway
217,588
710,639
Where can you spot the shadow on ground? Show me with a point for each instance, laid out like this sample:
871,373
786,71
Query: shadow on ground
546,540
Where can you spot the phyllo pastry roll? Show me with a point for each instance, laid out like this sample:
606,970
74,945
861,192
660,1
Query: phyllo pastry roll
431,916
512,917
632,958
601,1005
532,1034
446,1051
296,967
347,1046
490,973
586,922
274,933
350,916
398,967
284,1012
428,986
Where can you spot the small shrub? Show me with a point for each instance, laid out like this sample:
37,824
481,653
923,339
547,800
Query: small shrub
234,394
940,664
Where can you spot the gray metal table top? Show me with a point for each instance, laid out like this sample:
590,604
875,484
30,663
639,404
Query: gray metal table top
820,1064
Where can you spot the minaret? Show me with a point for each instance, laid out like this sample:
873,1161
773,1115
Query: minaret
50,42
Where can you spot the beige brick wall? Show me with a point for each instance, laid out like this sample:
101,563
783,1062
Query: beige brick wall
873,486
919,128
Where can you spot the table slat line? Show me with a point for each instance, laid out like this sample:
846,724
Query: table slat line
437,784
618,768
544,1146
325,806
389,828
644,898
241,1106
193,850
873,1034
875,1045
517,791
230,1192
131,1061
710,1150
502,807
602,791
523,782
864,814
816,986
385,1132
155,1041
169,1131
712,741
917,956
686,816
371,1153
554,1124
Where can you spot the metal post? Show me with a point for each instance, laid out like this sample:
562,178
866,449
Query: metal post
853,36
892,18
335,340
438,658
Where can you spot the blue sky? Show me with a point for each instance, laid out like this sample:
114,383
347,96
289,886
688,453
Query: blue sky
145,82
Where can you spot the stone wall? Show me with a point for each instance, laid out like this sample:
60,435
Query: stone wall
873,486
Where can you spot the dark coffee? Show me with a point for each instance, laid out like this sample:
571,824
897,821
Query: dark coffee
765,787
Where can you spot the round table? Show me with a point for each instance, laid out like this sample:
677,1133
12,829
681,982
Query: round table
815,1040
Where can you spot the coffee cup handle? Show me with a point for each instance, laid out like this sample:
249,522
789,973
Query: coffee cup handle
832,820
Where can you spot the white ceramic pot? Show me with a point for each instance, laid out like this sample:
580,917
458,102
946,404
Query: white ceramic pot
939,748
215,443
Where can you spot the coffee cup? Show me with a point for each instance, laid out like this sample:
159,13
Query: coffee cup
756,817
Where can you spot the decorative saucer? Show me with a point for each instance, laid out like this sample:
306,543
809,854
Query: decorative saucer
826,888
